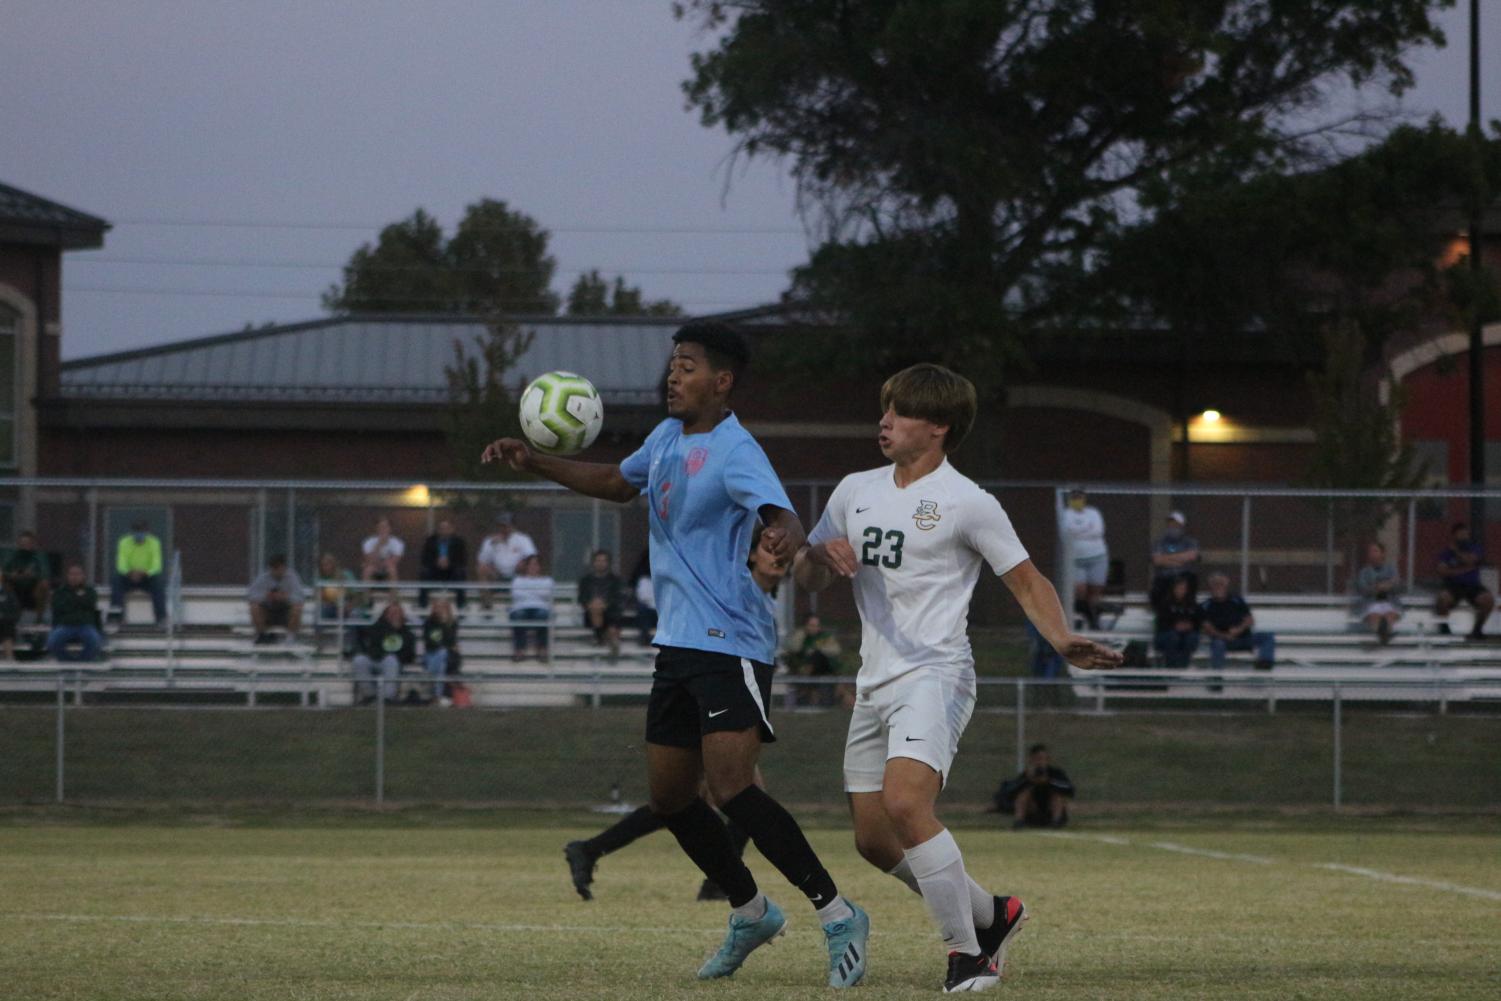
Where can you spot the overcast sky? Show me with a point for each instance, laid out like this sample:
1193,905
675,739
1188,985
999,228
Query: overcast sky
243,150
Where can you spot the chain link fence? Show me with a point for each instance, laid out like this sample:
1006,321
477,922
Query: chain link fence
1339,748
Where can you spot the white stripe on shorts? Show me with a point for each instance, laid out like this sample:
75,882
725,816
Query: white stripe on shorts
749,670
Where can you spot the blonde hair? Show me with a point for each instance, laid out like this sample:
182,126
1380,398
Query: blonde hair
933,393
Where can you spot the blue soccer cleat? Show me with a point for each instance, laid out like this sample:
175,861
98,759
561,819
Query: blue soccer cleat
744,936
846,940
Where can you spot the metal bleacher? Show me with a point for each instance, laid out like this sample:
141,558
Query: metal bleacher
1322,649
210,651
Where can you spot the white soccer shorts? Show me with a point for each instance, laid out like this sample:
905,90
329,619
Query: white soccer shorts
919,715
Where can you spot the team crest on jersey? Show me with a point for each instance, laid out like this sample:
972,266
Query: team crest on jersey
927,516
696,459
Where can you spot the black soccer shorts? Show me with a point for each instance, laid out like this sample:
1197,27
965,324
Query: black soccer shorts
694,692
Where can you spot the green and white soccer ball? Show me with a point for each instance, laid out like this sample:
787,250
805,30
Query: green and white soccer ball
561,413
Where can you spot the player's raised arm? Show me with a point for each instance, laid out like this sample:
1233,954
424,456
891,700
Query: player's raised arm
1035,594
592,479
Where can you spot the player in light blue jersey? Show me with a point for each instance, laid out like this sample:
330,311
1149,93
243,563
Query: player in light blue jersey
707,483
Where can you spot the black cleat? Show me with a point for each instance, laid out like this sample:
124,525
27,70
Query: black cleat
710,891
580,867
970,973
1010,912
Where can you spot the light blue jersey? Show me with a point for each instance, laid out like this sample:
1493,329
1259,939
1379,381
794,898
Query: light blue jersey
705,492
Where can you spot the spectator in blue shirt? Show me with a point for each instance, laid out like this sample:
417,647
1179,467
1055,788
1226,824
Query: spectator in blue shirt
1175,555
1459,580
1229,624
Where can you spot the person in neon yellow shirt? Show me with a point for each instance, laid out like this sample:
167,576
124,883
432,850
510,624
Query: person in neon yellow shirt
138,567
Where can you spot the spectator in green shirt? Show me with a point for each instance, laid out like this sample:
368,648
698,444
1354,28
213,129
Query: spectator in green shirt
138,567
29,575
75,618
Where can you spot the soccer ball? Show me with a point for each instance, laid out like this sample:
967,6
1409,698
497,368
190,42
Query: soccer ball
561,413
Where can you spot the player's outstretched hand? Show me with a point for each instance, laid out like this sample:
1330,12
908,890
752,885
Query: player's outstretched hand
837,555
512,451
1089,655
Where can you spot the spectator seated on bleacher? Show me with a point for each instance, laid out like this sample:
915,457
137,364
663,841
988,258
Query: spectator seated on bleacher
28,574
531,601
138,567
601,592
501,553
1459,581
813,652
1379,585
382,553
276,600
341,598
645,595
445,557
10,617
388,645
75,619
1175,555
440,647
1229,624
1179,618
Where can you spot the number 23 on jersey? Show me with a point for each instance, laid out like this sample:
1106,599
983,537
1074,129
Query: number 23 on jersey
882,548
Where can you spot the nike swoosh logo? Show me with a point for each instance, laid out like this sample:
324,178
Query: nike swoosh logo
913,738
862,510
720,712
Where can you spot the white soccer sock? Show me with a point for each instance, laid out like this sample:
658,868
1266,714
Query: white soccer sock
981,900
754,908
939,870
835,910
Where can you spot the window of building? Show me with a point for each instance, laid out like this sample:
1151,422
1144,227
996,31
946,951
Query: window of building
10,374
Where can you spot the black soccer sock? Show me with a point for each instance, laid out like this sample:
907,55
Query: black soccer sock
703,837
738,837
637,824
778,837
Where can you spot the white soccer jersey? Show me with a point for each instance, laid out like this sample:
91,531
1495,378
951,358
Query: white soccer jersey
919,549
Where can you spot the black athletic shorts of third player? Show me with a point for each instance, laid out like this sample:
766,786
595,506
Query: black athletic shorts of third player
694,692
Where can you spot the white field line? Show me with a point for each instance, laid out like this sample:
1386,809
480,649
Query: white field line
1353,870
1170,846
1391,877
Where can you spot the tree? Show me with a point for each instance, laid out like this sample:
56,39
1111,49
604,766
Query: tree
1356,440
1285,257
591,295
481,407
495,264
957,156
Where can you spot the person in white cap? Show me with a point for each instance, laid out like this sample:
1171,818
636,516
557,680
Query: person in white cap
1175,555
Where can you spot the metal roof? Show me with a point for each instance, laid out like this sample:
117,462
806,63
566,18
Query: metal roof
28,218
372,359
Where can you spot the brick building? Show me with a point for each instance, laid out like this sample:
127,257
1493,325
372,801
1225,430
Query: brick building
34,235
365,398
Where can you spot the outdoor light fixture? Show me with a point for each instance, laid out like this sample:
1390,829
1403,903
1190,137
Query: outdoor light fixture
1210,416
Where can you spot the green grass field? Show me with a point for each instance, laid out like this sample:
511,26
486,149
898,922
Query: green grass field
457,905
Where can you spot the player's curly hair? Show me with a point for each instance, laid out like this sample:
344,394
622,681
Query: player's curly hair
933,393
